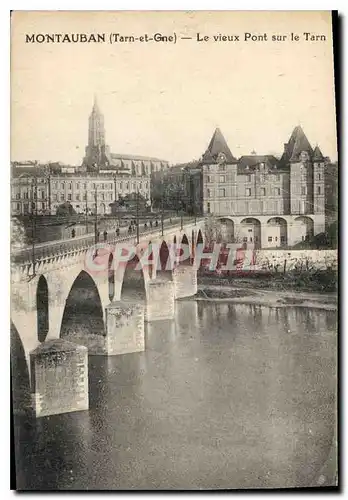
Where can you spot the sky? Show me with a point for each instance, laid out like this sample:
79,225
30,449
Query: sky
164,99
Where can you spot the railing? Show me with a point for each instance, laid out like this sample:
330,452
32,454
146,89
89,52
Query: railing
66,247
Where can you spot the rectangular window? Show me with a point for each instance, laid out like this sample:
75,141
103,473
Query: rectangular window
62,197
17,196
319,177
208,208
69,197
42,195
25,196
303,190
43,206
55,197
319,191
94,185
222,193
62,185
222,178
121,185
55,185
277,191
102,196
282,239
208,193
250,230
18,206
209,178
77,197
248,192
85,196
269,238
222,167
278,177
251,240
263,191
70,185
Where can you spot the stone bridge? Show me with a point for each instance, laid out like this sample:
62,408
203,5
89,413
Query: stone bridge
76,296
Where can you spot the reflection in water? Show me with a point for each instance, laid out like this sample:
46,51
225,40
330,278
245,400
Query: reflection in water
225,396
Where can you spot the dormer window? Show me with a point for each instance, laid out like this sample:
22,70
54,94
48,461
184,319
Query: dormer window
304,156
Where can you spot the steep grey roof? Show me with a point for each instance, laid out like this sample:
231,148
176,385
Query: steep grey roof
118,156
298,142
252,160
317,154
218,145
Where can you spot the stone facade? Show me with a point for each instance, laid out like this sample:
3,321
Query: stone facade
288,192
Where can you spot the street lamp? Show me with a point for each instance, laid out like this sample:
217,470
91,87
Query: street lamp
162,199
137,214
96,215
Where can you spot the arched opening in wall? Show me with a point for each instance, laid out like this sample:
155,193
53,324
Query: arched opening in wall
184,254
304,229
20,380
111,277
133,285
276,232
150,265
83,313
165,264
226,228
42,309
249,233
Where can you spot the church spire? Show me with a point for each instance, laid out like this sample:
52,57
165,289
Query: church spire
96,130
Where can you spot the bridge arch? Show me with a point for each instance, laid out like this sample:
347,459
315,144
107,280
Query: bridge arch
227,229
304,227
133,286
20,378
165,265
111,277
42,307
184,254
83,311
276,232
249,231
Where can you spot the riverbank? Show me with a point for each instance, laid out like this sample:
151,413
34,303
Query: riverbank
261,292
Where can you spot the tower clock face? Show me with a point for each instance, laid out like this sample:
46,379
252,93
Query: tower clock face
221,158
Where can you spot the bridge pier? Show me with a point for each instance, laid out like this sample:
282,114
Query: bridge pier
185,281
124,328
59,378
160,300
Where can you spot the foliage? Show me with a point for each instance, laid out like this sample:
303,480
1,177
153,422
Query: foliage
65,209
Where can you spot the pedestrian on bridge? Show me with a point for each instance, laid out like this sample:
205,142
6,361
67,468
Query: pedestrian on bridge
105,234
156,223
145,226
118,232
73,233
151,224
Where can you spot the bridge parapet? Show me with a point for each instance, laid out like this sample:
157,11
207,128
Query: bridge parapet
48,253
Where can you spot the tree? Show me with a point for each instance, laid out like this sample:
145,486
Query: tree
65,209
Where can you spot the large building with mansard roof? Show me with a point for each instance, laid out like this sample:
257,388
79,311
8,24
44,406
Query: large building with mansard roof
262,200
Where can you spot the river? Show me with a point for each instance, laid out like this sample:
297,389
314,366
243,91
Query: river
225,396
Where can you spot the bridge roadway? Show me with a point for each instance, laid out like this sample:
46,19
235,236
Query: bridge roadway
62,247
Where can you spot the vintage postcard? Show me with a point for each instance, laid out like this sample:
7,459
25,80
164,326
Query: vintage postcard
174,250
